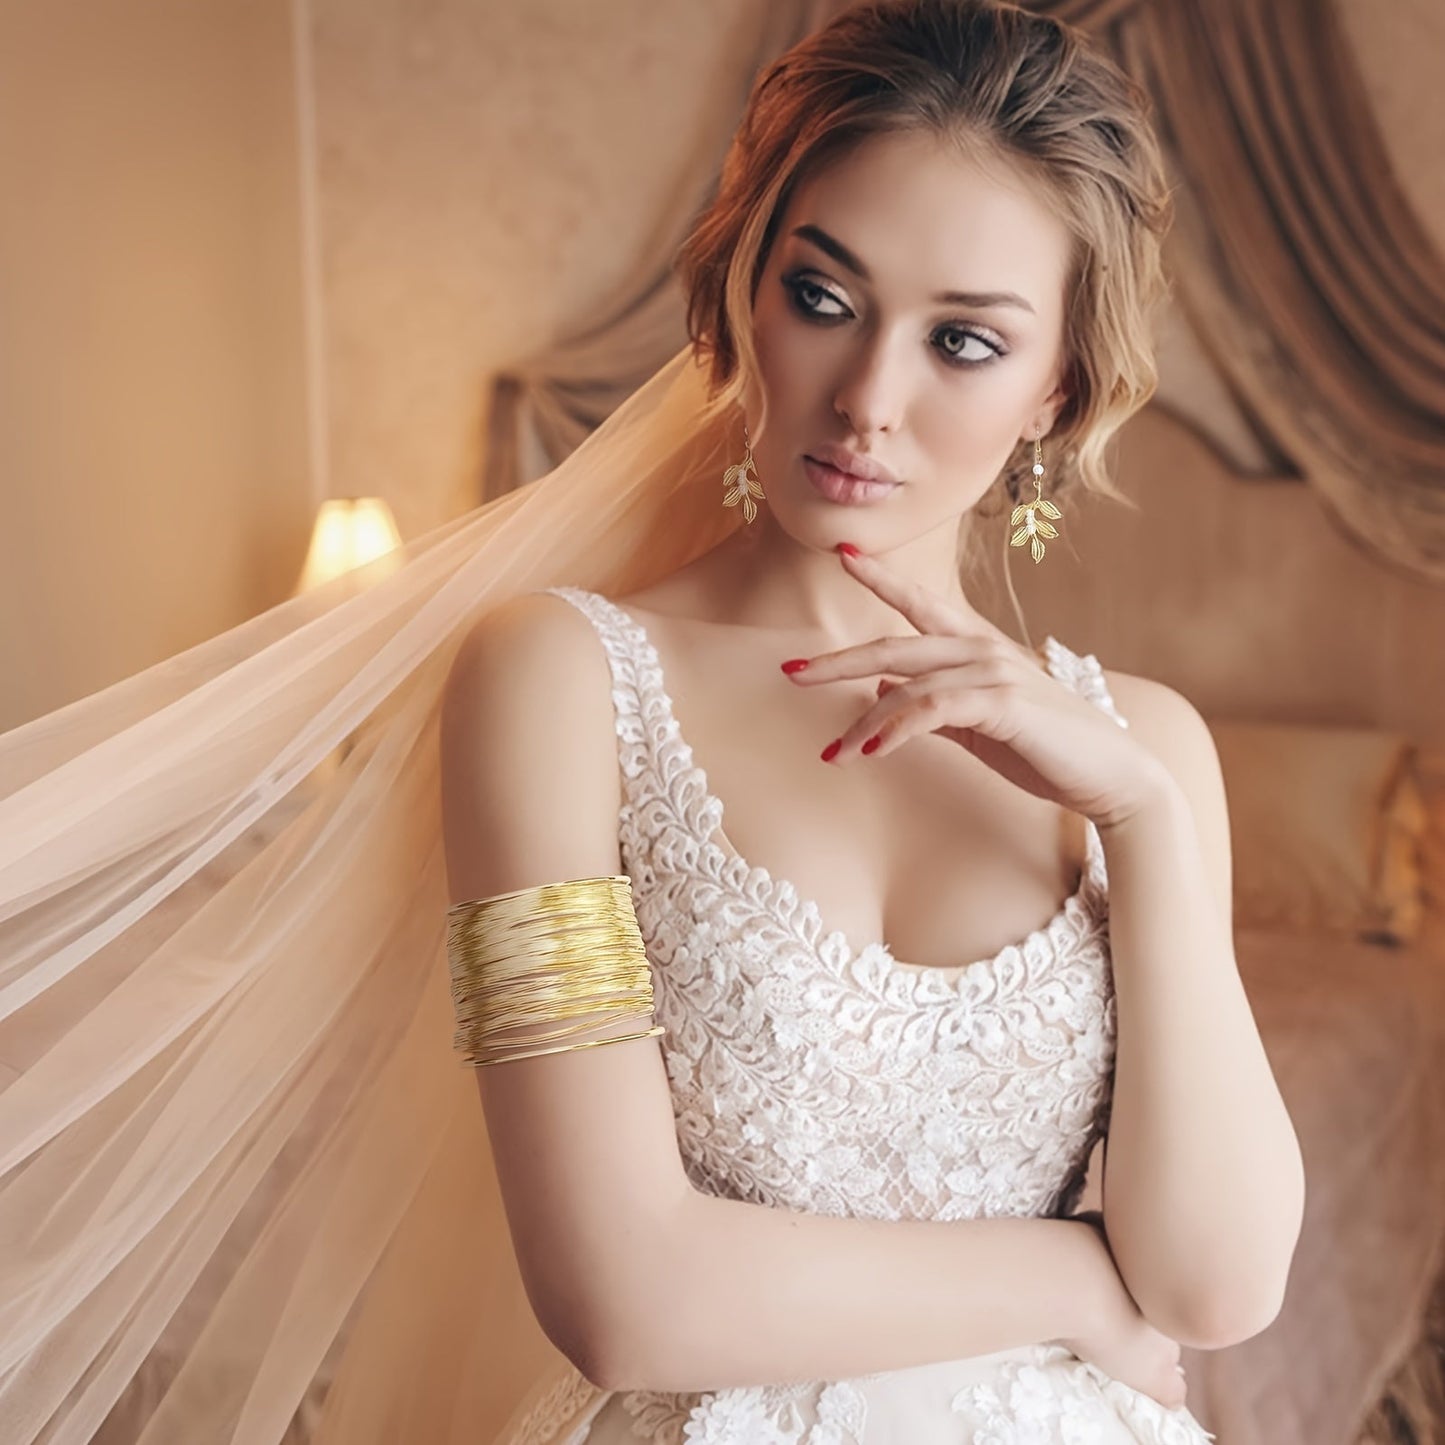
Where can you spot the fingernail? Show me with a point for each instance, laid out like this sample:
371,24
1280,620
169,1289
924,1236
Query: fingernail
872,744
848,549
831,751
795,664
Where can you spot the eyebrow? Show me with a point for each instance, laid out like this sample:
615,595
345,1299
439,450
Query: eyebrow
844,257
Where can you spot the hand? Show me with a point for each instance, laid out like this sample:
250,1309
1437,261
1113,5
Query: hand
967,681
1121,1342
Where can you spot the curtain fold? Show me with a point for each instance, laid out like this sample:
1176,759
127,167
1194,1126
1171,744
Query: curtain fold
1296,257
543,407
1295,253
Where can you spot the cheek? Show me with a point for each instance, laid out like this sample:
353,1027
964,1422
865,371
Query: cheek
795,358
774,336
962,415
969,427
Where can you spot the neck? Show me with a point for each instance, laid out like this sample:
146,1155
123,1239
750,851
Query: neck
762,577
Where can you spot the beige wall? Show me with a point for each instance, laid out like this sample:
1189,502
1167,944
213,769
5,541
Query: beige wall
152,408
489,172
1244,595
486,173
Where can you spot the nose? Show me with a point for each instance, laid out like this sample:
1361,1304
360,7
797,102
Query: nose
870,392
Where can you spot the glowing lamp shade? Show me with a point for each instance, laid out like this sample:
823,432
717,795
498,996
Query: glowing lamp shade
349,531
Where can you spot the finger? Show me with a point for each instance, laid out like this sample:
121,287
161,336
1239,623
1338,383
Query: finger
926,610
906,656
959,715
912,709
868,723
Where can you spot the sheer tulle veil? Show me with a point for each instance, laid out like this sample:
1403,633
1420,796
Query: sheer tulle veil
246,1192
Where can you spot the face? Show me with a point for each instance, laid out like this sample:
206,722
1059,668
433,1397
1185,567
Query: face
910,314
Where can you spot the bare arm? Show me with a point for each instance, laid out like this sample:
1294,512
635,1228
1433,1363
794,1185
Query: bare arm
1203,1181
640,1279
735,1293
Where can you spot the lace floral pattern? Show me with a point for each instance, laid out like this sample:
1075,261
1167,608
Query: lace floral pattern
1054,1398
810,1076
557,1403
826,1413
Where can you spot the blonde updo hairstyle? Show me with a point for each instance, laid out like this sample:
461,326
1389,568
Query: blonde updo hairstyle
1005,84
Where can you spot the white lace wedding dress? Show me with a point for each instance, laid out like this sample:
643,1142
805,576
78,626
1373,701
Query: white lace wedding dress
810,1076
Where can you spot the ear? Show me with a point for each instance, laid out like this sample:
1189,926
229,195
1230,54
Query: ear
1048,413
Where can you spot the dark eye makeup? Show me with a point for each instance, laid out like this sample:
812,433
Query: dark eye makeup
807,296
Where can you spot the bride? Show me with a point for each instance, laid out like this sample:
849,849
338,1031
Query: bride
929,264
801,931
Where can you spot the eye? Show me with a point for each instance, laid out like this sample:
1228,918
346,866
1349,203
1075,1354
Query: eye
808,297
953,341
812,299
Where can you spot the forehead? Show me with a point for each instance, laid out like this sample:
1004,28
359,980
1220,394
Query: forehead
920,212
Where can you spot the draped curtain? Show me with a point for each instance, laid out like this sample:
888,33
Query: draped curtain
1295,255
542,408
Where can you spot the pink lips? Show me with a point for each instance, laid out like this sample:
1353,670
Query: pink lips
846,487
855,464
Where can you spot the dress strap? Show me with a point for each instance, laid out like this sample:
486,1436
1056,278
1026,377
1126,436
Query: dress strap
641,709
1081,672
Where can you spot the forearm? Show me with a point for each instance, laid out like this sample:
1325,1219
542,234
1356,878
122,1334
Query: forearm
745,1294
1203,1182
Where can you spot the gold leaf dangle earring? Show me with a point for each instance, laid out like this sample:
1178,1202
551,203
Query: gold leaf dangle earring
1034,528
740,482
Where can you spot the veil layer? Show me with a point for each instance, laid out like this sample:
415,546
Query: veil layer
246,1192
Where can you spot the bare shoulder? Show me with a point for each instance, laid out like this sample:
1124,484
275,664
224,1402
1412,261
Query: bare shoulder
537,631
529,768
531,668
1160,716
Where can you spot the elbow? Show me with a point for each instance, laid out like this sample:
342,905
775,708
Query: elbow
621,1354
646,1348
658,1345
1214,1320
623,1312
1232,1317
1209,1314
582,1302
1221,1324
598,1342
593,1317
618,1332
575,1340
596,1363
1237,1298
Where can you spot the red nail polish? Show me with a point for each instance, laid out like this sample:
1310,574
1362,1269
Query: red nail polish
872,744
848,549
795,664
831,751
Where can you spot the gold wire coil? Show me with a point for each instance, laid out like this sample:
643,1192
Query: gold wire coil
556,951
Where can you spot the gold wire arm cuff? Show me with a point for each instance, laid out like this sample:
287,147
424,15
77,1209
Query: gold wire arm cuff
559,951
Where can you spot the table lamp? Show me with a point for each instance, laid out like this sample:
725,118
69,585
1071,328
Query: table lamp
349,532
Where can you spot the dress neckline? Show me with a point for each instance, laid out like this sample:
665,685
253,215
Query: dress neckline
1073,912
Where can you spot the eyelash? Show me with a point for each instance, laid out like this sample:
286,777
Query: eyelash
796,283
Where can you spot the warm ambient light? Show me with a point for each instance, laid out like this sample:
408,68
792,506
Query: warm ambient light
348,532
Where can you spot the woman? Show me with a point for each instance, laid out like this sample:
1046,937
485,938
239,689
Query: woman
797,1184
930,259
